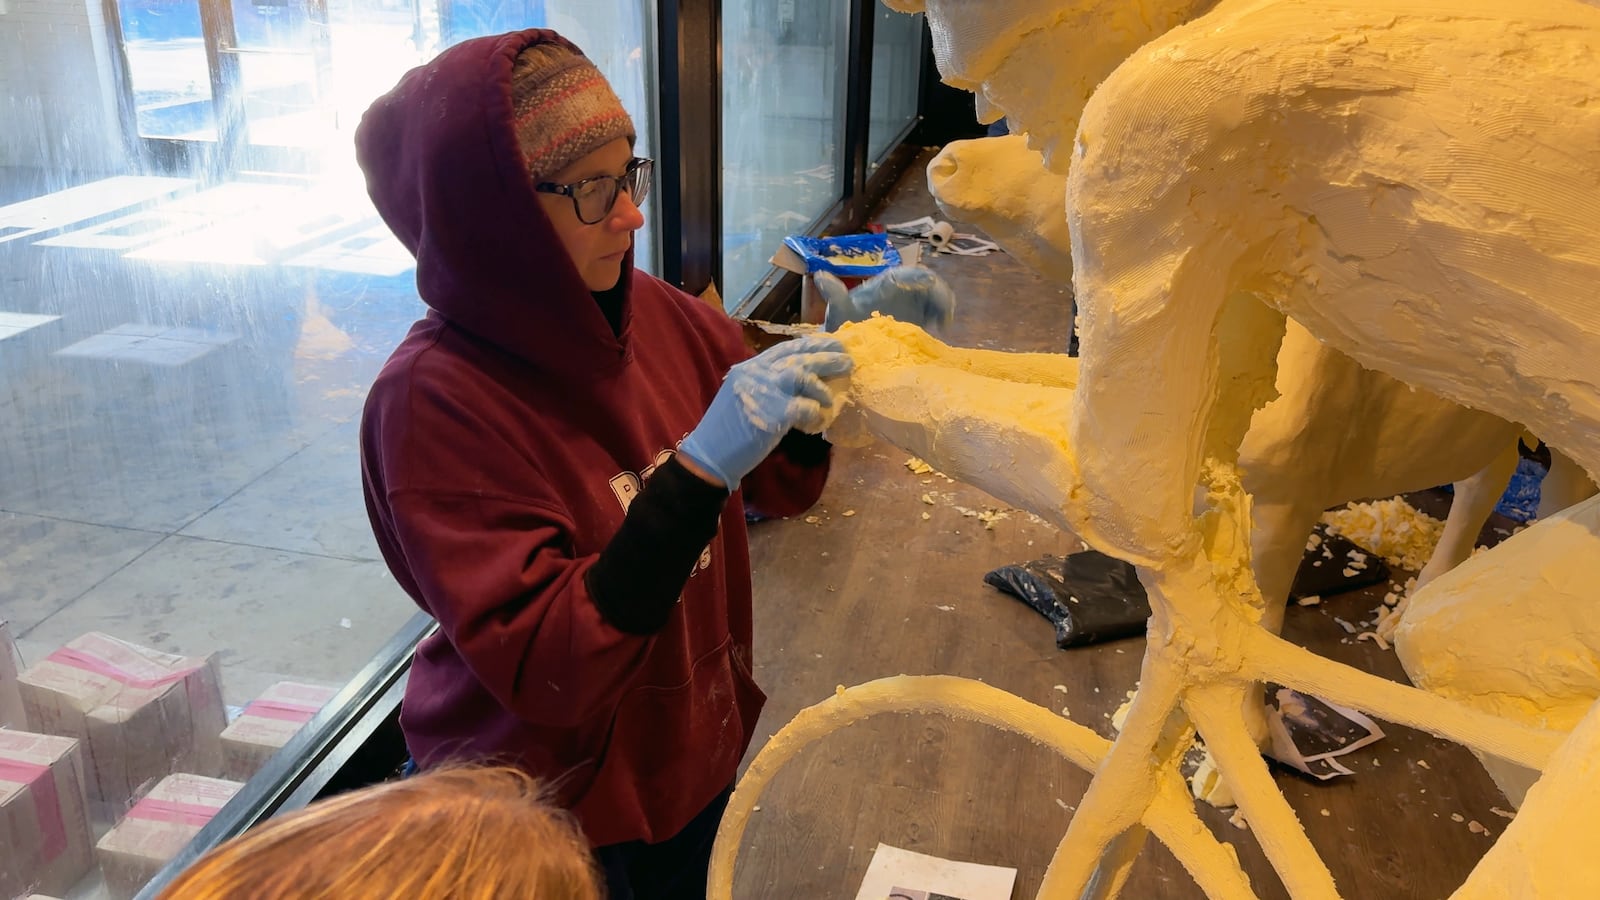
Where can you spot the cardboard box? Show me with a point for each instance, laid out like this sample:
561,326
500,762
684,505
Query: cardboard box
157,827
44,816
11,714
140,713
267,724
813,309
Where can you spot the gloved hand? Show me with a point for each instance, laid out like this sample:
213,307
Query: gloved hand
760,400
910,294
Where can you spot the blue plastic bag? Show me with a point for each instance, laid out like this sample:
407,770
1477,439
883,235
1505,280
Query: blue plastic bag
847,256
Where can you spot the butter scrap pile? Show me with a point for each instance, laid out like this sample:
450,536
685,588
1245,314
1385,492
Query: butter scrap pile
1391,528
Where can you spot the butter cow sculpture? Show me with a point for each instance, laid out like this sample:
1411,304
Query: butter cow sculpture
1536,596
1325,161
1300,455
1564,485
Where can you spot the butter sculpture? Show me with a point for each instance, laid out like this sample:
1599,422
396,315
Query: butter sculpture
1009,54
1315,159
1455,268
1515,632
1001,185
993,419
1548,850
1337,431
1564,485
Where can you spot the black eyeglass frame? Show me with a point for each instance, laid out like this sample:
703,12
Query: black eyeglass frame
619,183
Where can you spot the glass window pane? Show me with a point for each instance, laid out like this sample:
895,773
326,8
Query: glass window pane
183,359
619,35
782,120
277,46
896,78
166,59
372,41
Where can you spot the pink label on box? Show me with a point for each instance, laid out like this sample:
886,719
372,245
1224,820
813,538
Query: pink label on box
46,802
311,693
152,810
77,659
272,709
253,730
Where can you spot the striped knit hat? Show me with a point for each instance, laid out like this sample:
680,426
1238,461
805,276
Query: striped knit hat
562,108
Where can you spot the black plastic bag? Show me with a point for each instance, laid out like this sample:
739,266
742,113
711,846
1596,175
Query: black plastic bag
1088,596
1322,569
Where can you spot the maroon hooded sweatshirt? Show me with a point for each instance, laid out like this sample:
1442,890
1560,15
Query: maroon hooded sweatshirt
502,445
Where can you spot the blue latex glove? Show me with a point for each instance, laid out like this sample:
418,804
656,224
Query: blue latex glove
760,400
909,294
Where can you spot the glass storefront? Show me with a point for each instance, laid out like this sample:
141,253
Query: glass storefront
196,294
782,125
896,78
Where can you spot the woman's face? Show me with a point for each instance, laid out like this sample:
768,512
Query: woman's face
597,250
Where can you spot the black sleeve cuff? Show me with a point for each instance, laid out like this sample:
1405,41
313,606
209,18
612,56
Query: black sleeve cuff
804,449
641,572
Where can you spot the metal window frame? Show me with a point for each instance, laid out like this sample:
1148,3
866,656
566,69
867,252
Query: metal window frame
857,91
689,84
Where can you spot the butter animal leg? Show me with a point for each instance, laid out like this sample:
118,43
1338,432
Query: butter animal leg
1213,864
955,421
885,342
1270,658
997,421
1278,537
1117,860
1116,864
943,694
1565,485
1469,509
1124,785
1214,709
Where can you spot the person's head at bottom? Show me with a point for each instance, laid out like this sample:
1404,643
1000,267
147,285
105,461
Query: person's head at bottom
458,833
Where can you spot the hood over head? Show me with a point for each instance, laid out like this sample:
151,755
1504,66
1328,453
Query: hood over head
446,171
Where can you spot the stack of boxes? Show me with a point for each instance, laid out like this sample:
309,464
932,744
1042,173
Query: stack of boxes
106,733
44,816
140,713
157,827
267,724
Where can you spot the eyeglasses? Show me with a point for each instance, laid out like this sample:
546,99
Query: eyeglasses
594,198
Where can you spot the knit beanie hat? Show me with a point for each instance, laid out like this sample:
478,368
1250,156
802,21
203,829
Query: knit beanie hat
562,108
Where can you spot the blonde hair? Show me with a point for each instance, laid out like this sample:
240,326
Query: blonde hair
458,833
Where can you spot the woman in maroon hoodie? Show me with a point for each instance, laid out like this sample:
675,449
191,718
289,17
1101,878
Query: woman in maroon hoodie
558,458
